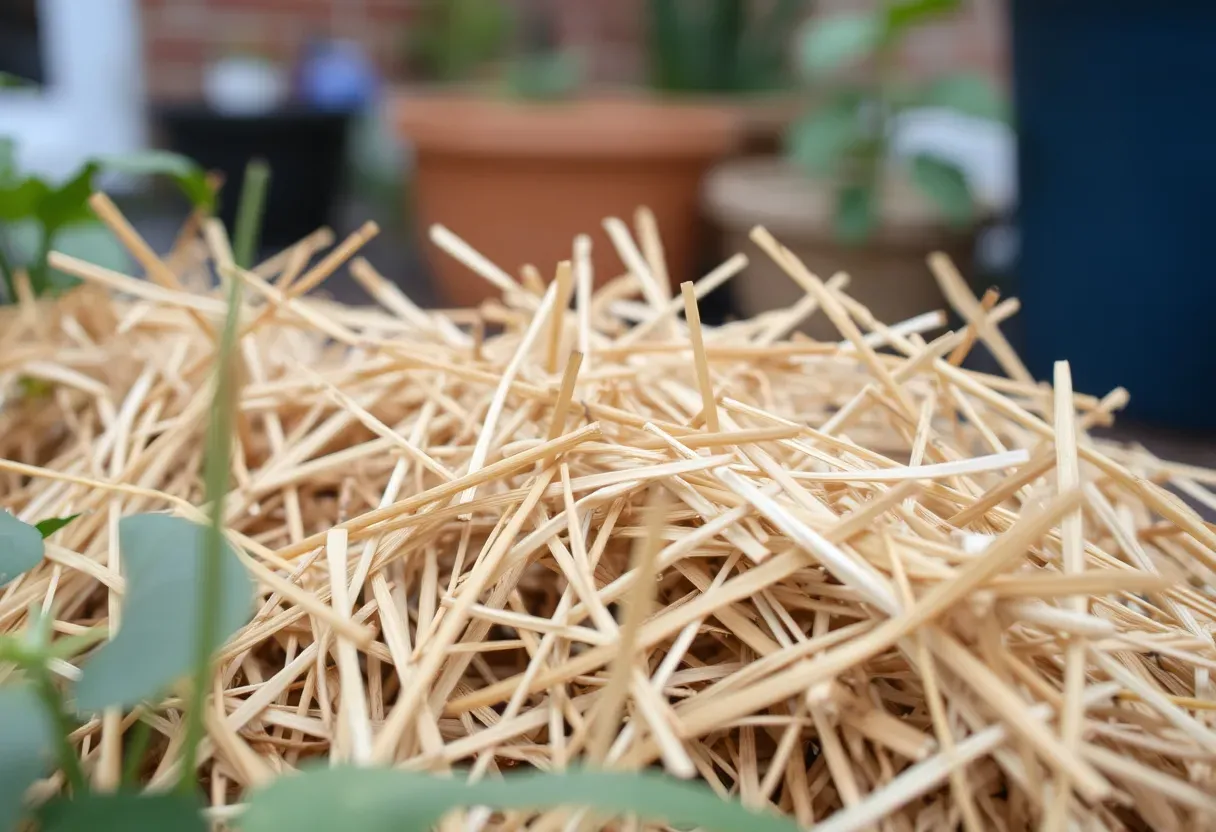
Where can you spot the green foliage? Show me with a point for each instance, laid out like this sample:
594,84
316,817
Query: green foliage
845,139
26,750
821,140
840,41
124,811
454,39
162,559
968,93
945,184
383,800
249,212
185,589
899,16
20,547
720,46
545,76
50,525
855,218
217,570
458,41
36,216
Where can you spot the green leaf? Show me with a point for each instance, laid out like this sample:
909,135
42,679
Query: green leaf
20,200
385,800
123,812
969,93
162,560
249,212
69,203
26,750
20,547
821,139
903,15
839,41
50,525
946,185
855,218
190,178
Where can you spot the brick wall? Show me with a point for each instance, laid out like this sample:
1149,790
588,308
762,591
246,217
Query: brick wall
180,36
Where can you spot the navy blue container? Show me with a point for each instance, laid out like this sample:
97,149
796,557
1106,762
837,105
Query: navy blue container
1116,110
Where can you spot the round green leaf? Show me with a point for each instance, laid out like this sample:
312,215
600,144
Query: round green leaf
26,749
818,141
162,559
839,41
946,185
969,93
20,547
384,800
123,812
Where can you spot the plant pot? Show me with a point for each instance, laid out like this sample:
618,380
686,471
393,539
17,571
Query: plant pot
518,181
1116,187
304,148
887,273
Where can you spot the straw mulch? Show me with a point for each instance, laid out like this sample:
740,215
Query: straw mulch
851,581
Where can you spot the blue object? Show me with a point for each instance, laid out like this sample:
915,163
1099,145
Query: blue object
337,76
1117,190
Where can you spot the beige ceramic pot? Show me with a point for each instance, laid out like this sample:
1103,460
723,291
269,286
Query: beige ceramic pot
887,273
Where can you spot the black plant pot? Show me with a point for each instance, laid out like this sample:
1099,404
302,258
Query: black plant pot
304,148
1117,193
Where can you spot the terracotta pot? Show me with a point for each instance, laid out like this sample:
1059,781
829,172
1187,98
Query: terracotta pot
887,273
520,180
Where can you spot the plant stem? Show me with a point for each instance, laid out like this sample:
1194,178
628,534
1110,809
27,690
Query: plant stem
6,271
53,702
141,732
249,212
40,271
216,472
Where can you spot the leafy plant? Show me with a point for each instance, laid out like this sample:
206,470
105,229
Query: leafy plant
453,40
466,40
720,46
384,800
846,138
458,41
37,216
20,547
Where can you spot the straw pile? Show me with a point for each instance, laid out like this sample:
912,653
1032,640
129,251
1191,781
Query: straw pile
851,580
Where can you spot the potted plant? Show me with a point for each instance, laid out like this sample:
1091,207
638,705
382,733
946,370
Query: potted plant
514,154
849,195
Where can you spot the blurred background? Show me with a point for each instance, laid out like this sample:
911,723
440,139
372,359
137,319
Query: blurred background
1059,152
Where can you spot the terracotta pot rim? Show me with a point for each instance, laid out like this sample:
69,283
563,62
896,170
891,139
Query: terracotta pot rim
463,121
772,192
